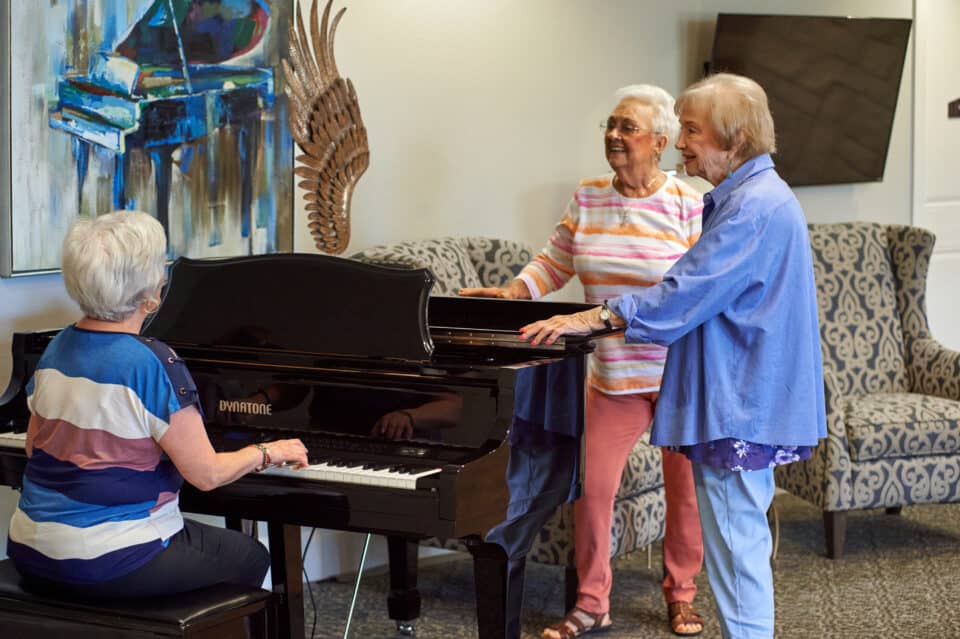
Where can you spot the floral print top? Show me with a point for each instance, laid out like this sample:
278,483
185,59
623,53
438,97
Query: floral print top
739,455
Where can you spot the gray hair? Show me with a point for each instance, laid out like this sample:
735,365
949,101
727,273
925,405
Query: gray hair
113,262
665,120
738,110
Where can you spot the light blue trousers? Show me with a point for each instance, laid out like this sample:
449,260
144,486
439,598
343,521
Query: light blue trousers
736,547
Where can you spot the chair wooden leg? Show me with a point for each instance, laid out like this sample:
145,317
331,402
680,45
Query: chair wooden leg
894,510
835,527
774,517
571,585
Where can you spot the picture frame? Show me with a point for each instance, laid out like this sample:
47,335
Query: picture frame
107,106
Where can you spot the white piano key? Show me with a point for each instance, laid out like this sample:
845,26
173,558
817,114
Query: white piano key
13,440
353,475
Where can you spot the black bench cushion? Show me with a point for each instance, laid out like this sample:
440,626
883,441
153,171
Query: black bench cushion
180,610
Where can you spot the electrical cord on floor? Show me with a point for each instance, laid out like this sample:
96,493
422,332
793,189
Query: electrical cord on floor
313,602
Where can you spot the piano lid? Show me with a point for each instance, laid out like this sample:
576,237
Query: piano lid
209,31
301,303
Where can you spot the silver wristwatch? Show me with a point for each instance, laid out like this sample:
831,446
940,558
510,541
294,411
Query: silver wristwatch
605,315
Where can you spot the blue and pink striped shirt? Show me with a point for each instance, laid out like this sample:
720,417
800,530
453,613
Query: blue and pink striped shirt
100,498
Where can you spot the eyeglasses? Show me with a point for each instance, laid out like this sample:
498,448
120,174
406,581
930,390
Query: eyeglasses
627,128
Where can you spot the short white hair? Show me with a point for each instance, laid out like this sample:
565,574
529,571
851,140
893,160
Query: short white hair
113,262
665,121
738,110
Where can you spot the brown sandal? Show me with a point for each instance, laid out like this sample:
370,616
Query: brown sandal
681,613
574,626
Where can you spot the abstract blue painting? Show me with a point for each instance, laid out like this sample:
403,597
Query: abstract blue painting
174,107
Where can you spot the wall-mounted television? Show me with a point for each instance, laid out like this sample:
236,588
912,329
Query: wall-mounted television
832,84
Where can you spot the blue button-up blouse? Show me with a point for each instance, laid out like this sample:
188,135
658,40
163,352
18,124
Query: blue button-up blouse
739,313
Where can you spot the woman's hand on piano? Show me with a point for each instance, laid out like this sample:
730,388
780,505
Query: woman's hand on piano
289,452
551,329
515,290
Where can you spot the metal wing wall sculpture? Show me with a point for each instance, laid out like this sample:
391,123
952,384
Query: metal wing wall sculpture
326,124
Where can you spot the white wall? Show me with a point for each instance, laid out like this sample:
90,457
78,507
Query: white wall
482,117
936,194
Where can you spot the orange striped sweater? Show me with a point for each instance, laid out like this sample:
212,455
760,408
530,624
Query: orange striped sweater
615,244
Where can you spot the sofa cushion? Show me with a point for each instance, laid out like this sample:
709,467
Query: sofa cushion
643,471
445,257
890,425
497,261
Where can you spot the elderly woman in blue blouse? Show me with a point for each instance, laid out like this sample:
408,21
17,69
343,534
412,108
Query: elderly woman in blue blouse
742,390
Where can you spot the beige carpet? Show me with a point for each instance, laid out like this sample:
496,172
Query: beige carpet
900,577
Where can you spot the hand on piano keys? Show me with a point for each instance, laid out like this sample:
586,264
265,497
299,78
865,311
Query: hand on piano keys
290,453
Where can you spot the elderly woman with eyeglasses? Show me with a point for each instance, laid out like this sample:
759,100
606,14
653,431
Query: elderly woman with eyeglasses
742,389
114,430
621,232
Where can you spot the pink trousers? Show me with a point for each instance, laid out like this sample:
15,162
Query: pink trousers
613,425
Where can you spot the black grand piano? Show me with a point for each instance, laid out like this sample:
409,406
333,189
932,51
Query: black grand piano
166,83
322,348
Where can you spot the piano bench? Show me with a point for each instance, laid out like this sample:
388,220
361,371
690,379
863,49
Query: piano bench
224,610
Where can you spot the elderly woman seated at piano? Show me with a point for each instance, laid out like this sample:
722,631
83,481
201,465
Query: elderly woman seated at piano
114,431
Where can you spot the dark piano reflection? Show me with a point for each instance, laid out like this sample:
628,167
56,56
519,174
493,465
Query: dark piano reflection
392,414
420,422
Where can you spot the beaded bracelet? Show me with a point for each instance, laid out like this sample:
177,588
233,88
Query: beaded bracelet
265,458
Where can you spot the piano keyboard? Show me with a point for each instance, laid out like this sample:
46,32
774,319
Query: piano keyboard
386,476
362,473
13,440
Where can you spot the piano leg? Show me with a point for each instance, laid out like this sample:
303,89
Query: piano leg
499,586
403,602
162,157
286,568
247,526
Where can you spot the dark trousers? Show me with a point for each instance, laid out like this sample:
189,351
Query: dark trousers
197,556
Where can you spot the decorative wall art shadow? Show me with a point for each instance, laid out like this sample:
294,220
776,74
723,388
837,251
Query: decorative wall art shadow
175,107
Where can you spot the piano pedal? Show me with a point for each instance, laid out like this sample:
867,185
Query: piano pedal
406,629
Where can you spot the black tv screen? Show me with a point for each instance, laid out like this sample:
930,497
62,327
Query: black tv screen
832,84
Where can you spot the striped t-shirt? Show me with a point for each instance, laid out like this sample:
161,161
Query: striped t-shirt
100,498
616,244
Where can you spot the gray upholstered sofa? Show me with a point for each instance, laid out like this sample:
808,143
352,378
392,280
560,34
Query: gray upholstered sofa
455,262
639,512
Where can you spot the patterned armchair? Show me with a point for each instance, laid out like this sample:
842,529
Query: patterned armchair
893,415
639,513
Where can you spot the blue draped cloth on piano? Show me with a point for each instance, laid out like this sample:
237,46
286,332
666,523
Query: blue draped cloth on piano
544,450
